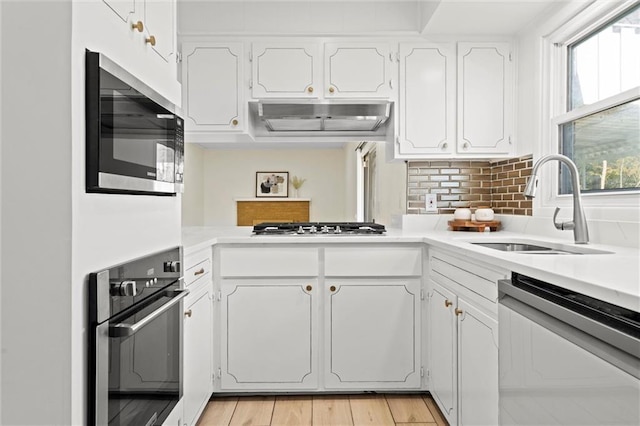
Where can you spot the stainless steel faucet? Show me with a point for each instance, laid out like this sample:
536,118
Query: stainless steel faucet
579,222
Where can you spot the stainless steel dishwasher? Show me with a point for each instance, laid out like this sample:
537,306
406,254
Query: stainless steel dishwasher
565,358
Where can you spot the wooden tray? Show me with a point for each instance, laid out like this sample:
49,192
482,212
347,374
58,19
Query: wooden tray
468,225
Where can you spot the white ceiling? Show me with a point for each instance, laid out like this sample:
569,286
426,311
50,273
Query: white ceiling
478,17
430,17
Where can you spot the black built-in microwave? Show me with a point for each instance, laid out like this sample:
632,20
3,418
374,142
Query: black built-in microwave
134,137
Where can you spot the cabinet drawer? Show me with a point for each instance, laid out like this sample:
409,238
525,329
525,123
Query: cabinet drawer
373,261
268,262
478,279
198,266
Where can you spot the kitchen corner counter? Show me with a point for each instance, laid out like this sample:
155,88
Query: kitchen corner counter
614,277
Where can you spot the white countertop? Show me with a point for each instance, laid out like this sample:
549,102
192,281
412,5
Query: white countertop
614,277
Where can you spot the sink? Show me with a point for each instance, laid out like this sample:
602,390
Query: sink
538,248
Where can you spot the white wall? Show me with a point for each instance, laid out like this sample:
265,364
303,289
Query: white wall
392,187
53,233
36,214
350,171
231,174
193,196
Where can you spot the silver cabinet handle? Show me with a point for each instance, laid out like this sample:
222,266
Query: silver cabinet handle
123,329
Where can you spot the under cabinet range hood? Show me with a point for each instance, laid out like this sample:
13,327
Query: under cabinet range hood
365,117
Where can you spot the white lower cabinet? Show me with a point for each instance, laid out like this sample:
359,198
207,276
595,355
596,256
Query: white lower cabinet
299,318
477,366
372,334
463,354
198,345
197,335
269,334
442,351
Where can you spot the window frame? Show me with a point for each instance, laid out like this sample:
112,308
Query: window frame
624,205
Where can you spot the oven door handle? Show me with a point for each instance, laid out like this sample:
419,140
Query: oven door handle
124,330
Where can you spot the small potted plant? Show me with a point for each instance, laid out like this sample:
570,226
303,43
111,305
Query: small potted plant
296,182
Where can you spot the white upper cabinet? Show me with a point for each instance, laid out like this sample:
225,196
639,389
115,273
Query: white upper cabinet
427,100
153,20
290,70
357,70
297,70
125,9
211,86
160,27
485,79
436,120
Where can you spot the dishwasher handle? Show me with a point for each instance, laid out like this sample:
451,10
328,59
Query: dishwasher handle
588,325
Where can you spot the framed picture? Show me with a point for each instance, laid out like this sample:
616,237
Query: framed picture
272,184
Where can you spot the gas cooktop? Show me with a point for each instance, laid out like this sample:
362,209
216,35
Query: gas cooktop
319,228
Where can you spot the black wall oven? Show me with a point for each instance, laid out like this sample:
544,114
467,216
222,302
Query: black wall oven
135,341
134,138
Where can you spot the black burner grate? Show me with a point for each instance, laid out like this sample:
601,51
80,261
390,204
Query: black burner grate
319,228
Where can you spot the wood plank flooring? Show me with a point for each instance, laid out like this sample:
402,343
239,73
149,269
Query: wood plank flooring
323,410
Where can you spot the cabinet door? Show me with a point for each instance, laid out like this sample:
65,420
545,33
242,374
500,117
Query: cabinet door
290,70
159,21
372,334
484,98
122,8
442,351
198,345
269,334
427,100
477,366
211,86
360,70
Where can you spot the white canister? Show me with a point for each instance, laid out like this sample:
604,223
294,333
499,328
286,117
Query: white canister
462,214
484,214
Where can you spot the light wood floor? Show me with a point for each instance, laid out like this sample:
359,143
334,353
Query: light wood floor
331,410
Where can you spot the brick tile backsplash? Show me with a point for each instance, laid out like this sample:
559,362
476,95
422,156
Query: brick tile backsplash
457,183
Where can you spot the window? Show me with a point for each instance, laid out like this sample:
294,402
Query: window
599,125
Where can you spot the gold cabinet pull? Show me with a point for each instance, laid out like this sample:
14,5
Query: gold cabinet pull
188,313
447,303
151,40
234,122
138,26
310,89
331,89
332,288
458,311
199,272
309,288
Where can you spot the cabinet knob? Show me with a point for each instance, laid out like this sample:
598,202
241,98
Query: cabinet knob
138,26
465,145
445,145
234,122
309,288
188,313
447,303
199,272
458,311
332,288
310,89
331,89
151,40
